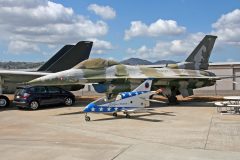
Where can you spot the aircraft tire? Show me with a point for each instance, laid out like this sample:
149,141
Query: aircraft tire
172,100
114,114
87,118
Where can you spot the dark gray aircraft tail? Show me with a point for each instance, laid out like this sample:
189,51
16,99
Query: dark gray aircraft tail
198,59
67,57
58,55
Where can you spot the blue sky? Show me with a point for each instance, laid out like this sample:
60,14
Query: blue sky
33,30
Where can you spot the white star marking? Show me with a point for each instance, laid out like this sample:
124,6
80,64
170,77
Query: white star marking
108,108
116,108
101,109
129,94
93,109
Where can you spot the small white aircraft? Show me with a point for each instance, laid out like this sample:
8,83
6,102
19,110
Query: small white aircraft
126,102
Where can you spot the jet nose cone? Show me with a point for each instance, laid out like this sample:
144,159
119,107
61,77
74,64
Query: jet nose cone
89,108
36,81
51,79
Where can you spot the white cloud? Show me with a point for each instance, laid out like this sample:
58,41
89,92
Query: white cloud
43,22
165,49
100,46
160,27
106,12
227,28
16,47
23,3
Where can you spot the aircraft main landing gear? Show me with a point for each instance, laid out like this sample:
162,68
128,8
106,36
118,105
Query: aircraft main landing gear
127,116
172,100
87,118
114,114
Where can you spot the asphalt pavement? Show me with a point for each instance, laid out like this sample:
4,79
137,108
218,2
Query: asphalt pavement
190,130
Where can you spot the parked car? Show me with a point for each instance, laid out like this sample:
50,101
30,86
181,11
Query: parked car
35,96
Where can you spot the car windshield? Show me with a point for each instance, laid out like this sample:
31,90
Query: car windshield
20,92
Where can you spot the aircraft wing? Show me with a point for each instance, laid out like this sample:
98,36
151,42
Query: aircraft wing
137,110
227,77
23,73
103,79
19,76
153,100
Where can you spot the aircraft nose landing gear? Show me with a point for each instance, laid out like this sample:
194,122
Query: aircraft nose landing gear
87,118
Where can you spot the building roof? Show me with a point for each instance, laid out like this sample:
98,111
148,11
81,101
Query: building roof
224,63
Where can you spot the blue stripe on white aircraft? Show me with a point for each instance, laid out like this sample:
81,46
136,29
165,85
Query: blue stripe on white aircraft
126,102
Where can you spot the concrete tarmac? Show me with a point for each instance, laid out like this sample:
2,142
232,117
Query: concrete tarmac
191,130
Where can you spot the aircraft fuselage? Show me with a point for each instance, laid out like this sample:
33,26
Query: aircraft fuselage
119,78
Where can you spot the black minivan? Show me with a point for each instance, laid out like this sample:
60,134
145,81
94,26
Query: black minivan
35,96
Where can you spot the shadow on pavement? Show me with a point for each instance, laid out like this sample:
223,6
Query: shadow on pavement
139,117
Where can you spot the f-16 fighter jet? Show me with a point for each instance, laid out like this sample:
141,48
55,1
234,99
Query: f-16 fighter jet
110,77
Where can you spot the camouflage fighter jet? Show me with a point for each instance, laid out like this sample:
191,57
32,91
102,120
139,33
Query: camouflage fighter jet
110,77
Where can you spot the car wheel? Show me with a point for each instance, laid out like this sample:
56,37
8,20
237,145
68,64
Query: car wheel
4,101
34,105
68,101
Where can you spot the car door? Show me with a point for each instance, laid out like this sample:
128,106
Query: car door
41,95
55,94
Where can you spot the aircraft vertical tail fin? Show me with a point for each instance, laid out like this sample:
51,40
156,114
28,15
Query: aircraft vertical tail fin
68,57
145,86
198,59
58,55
